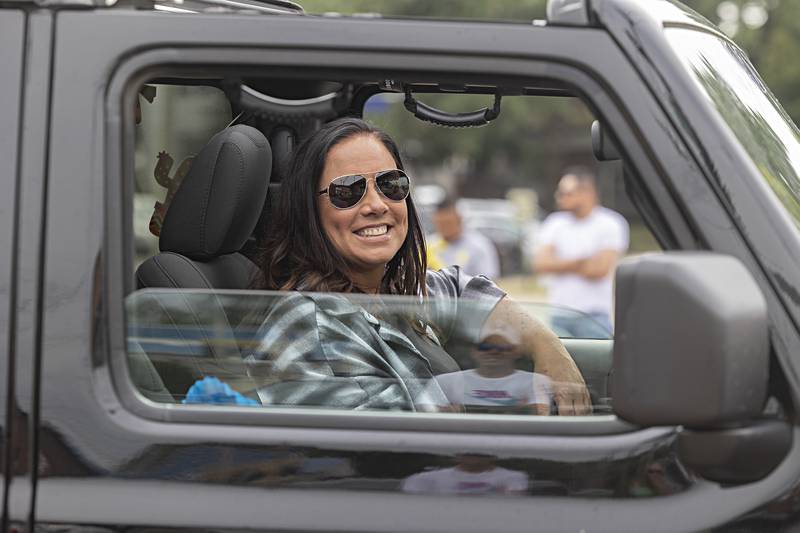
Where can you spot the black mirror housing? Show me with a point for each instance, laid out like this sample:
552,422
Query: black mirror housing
692,345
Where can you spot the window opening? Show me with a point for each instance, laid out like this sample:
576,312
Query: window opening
520,205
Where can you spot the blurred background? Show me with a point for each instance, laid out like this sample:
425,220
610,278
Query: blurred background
505,173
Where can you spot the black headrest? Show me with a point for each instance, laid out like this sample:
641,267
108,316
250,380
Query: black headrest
218,204
282,140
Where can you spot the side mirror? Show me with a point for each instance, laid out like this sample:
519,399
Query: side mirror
691,344
692,350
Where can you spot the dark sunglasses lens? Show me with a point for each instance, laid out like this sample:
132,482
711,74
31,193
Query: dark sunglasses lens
491,347
346,191
394,185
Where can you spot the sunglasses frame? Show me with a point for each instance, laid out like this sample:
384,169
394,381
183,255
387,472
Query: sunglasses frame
377,175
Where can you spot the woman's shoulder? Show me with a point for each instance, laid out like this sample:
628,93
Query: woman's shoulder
454,283
445,281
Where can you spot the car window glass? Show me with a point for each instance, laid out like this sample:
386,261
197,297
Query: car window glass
279,349
726,77
498,205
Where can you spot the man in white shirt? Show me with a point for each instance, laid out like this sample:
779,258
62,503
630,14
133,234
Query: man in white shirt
579,247
454,245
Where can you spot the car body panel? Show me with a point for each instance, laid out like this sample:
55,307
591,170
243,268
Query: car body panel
120,444
29,278
236,468
12,42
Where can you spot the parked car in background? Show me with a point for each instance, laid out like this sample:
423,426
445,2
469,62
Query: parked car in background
499,220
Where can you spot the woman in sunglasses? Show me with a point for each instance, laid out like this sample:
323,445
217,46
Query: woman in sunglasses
346,224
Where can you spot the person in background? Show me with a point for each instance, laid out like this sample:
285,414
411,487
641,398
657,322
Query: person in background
579,246
454,245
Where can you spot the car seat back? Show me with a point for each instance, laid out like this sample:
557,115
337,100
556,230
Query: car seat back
209,220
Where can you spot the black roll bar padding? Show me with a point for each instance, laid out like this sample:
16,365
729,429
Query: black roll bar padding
430,114
321,108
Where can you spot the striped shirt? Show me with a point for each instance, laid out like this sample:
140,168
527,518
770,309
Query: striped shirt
368,352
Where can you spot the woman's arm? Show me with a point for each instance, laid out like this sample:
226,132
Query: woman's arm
548,354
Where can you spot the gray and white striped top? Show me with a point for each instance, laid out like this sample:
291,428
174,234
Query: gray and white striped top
369,352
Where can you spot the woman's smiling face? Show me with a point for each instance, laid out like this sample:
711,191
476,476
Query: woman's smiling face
369,234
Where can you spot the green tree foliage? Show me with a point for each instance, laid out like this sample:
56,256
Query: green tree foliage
529,142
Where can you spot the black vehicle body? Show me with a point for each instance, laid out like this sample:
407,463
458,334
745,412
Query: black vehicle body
81,451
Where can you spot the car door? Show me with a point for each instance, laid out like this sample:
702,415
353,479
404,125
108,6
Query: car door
12,23
144,464
21,151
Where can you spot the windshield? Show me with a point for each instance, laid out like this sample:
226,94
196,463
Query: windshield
764,129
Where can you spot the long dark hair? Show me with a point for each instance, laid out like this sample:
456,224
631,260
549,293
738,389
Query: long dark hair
297,254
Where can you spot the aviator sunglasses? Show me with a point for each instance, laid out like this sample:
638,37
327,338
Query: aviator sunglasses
493,347
345,192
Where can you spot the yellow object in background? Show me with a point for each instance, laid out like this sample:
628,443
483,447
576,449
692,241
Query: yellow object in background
435,247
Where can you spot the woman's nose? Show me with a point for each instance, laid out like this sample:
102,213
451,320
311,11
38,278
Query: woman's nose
374,201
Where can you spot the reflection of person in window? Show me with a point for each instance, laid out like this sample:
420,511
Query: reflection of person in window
323,348
495,385
473,474
579,247
653,480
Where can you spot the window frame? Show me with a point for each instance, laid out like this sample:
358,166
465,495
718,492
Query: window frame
161,63
13,33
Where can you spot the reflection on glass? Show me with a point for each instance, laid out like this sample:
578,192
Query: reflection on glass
495,384
766,132
472,474
342,352
568,323
658,477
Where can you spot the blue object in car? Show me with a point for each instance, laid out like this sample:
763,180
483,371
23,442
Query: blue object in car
212,390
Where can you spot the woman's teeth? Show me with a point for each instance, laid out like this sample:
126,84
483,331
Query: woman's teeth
374,231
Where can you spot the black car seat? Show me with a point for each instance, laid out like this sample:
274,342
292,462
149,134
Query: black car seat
209,220
282,140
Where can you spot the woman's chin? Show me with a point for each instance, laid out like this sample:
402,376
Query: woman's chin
373,259
374,253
